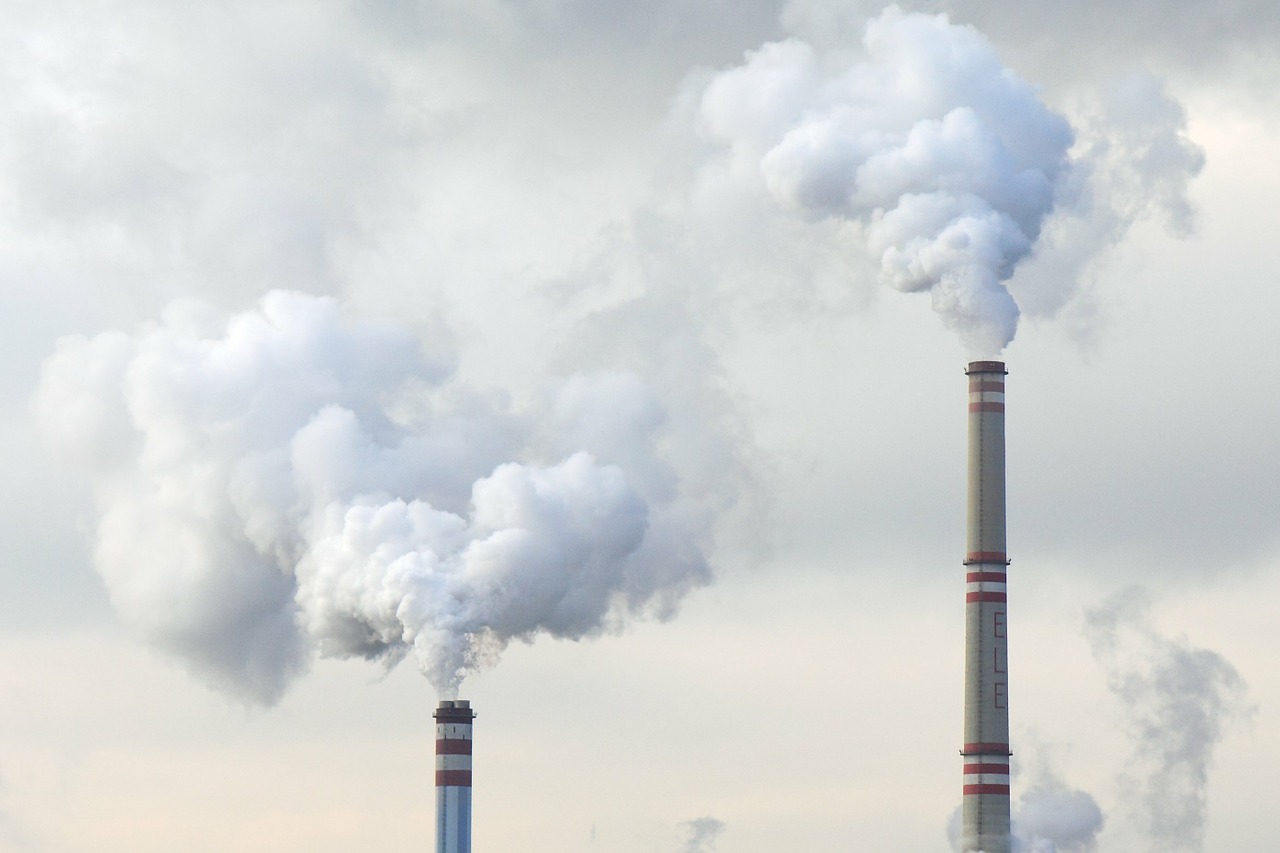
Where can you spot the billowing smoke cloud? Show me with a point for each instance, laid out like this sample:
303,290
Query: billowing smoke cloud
941,158
287,481
701,835
1178,700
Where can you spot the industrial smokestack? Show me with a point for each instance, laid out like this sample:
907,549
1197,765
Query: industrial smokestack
985,809
453,776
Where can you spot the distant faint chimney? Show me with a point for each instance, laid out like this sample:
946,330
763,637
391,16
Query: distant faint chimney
453,776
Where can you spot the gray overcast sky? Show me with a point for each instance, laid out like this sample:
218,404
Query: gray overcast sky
530,188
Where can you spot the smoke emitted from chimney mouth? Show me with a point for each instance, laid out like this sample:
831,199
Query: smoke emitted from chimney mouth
941,158
288,481
924,152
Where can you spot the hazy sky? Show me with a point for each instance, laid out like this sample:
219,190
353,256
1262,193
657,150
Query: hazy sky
508,232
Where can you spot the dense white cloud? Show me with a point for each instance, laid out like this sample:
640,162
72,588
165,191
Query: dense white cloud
947,160
286,480
947,164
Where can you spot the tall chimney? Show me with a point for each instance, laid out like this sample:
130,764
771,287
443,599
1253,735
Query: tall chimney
453,776
985,810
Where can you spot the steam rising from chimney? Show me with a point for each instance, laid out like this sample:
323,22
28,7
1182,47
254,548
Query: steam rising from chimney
944,160
286,481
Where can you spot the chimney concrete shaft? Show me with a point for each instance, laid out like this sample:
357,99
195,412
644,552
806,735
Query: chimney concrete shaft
985,810
453,776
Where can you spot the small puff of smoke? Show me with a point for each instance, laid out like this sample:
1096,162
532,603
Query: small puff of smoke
286,481
701,834
1178,700
1049,817
945,159
1052,818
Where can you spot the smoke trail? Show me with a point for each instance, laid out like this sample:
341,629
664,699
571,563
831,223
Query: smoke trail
1178,699
701,834
286,482
1133,160
941,157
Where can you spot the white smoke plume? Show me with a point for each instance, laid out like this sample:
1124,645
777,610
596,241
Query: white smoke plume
1178,700
287,481
943,160
701,834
